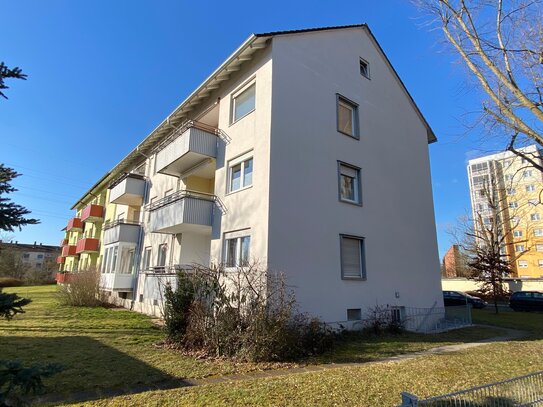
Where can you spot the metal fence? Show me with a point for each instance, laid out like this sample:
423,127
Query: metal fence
523,391
433,320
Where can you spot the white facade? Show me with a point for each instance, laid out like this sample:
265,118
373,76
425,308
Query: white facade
273,181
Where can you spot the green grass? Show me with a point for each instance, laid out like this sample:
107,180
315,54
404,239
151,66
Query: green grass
114,348
531,322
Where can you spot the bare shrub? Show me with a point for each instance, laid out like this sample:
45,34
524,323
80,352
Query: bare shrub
382,320
248,314
10,282
82,290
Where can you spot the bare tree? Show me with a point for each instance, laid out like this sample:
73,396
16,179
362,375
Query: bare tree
487,237
501,44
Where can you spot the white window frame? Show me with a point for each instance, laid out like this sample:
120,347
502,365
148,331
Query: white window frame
513,204
237,237
523,264
530,188
354,116
147,256
159,255
243,89
519,247
540,262
362,254
539,247
242,161
517,233
365,72
535,216
357,183
538,232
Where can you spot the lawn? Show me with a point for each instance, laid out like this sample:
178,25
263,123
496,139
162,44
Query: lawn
114,348
376,384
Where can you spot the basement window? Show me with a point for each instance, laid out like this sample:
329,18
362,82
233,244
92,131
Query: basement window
354,314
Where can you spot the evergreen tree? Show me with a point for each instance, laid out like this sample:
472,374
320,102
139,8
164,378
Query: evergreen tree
6,73
11,214
11,304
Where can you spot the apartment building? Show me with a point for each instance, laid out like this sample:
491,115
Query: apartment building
303,152
34,256
516,186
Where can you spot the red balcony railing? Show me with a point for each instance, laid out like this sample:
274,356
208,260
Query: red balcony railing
63,278
92,213
87,245
68,250
63,242
74,225
61,260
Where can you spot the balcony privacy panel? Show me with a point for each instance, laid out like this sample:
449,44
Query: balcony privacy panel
129,191
184,214
187,150
121,232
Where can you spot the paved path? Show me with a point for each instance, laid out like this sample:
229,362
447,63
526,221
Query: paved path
79,397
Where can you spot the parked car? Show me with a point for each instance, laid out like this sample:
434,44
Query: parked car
451,298
527,301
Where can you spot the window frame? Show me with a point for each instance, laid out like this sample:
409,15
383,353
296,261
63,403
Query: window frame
238,92
362,253
236,236
240,160
362,61
358,170
355,114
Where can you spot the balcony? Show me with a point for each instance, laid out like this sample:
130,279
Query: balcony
63,242
183,211
87,245
189,149
121,231
92,213
68,250
74,225
61,260
116,281
128,190
64,278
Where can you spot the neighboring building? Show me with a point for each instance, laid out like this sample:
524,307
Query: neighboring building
518,186
455,263
303,151
33,256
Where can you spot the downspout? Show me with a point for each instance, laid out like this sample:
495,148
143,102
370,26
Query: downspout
139,244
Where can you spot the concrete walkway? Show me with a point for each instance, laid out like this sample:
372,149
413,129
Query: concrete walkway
79,397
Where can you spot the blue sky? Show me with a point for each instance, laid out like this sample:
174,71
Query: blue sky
112,70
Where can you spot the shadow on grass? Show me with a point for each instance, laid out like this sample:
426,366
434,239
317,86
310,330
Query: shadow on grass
357,347
92,370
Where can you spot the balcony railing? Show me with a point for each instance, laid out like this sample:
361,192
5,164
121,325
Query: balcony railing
92,213
68,250
188,149
129,189
74,225
116,281
87,245
182,211
61,260
121,231
63,242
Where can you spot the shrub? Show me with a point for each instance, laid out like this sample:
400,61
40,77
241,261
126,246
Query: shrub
381,320
247,314
10,282
18,382
82,290
11,304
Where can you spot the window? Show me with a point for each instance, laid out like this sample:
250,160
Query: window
540,262
352,257
507,163
526,174
104,264
482,193
26,255
162,253
38,264
237,249
517,233
530,188
538,232
354,314
147,258
364,68
40,256
508,177
519,247
240,175
513,204
479,167
114,259
539,247
523,264
515,220
511,191
349,184
347,117
243,103
535,216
